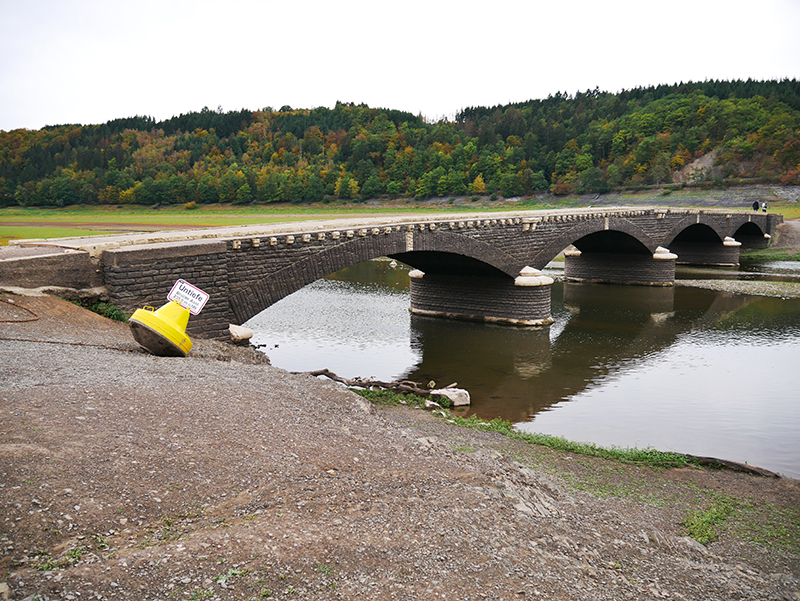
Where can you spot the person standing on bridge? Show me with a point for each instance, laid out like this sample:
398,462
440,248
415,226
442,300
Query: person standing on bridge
755,205
764,207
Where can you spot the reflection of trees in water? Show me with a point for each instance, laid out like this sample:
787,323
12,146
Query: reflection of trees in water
379,272
514,372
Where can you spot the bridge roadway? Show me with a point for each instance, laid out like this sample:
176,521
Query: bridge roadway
482,266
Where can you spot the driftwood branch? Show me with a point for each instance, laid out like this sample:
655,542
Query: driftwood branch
406,386
732,465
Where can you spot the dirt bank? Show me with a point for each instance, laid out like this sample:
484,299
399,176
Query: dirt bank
128,476
787,235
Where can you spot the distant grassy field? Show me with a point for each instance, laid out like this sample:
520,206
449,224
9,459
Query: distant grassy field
26,223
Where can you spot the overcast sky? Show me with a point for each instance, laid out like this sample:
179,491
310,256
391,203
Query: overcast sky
89,61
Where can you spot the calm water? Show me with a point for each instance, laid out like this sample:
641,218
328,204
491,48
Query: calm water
680,369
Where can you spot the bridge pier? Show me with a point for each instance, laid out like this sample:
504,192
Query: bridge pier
657,269
701,253
524,301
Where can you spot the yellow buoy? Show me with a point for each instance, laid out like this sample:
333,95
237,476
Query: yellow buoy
162,332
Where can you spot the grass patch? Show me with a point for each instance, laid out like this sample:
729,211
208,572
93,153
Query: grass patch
703,525
387,398
760,523
14,232
647,456
770,526
463,448
84,220
107,310
229,575
789,211
46,563
770,254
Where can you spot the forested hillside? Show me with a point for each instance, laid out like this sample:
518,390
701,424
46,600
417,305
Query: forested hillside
590,142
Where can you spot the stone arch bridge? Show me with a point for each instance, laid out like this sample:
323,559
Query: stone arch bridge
471,266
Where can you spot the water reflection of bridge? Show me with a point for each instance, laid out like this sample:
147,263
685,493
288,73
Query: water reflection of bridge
515,373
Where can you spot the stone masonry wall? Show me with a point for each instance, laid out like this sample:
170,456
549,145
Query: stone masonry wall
136,277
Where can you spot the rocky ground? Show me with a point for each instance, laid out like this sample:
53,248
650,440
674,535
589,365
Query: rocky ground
741,197
217,476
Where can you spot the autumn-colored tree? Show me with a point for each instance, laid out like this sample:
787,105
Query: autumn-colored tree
110,195
478,186
565,184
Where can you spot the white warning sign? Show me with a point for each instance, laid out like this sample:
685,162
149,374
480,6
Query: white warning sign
188,296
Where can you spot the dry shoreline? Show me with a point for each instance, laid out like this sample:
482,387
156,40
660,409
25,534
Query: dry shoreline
756,288
128,476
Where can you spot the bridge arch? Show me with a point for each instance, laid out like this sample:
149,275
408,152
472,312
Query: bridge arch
696,229
615,235
611,241
751,235
697,233
267,288
433,251
703,242
444,252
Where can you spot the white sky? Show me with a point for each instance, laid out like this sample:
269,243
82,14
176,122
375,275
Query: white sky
89,61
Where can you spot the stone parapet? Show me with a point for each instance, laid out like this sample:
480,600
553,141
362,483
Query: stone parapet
71,269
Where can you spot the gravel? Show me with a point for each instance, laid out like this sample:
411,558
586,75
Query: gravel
754,287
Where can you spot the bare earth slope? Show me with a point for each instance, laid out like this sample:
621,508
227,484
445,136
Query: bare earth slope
788,235
129,476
